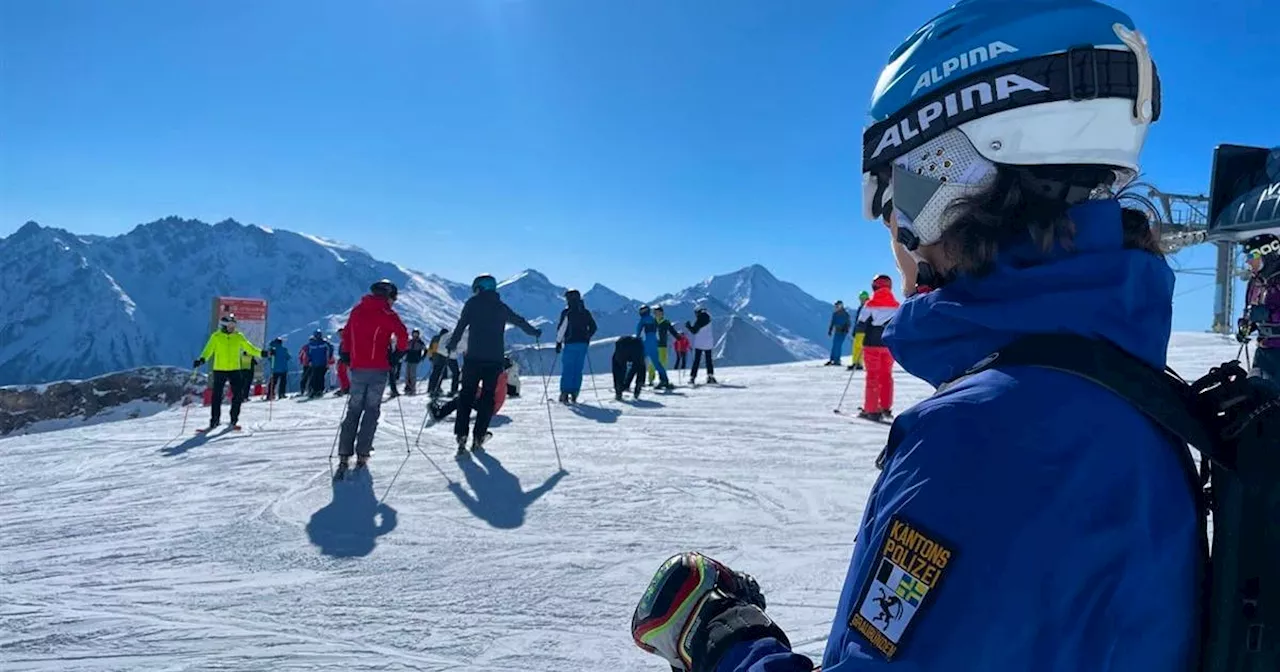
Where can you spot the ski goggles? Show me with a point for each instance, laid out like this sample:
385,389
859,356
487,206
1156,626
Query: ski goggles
1077,74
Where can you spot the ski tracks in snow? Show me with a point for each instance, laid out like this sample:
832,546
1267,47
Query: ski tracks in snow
123,553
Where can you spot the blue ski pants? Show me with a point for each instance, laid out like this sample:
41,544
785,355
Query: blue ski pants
572,357
837,344
651,353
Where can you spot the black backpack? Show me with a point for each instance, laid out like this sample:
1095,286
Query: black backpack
1234,423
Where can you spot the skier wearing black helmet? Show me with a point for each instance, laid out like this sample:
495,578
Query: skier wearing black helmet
365,342
573,338
1262,304
484,318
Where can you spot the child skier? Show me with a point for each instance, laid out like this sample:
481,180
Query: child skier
702,344
682,351
573,338
648,325
859,333
370,327
837,330
877,312
279,369
223,351
628,363
1262,305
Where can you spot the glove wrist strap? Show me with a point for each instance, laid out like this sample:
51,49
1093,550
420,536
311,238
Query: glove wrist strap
736,622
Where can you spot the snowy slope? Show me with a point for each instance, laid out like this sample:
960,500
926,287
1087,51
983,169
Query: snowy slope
127,546
76,307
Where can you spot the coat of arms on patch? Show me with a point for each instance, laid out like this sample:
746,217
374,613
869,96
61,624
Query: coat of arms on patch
904,575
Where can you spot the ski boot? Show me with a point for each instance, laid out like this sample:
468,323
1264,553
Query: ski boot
564,397
341,472
462,446
711,380
212,425
362,463
477,443
874,416
617,395
573,398
432,409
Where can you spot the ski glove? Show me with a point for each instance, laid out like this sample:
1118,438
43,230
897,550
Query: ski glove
696,609
345,358
558,348
198,363
1243,330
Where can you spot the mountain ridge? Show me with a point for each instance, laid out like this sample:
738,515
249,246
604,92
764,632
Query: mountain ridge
142,298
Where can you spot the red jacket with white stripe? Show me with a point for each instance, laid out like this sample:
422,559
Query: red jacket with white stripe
367,336
875,314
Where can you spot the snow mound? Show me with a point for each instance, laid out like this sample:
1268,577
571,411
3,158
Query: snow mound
116,396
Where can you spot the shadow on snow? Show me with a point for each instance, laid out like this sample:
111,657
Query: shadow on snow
349,526
596,413
498,499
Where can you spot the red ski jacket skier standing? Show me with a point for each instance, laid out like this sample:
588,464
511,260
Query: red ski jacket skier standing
366,342
876,358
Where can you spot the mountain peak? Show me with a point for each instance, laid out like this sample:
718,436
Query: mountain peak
528,275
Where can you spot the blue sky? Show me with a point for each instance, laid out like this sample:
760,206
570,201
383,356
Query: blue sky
645,144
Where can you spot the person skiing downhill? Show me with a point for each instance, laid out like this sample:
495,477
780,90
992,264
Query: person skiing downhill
484,318
365,338
859,333
837,330
1016,536
222,351
1262,305
878,311
703,342
648,326
573,338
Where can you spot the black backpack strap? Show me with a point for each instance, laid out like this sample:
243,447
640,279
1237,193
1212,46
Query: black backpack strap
1164,399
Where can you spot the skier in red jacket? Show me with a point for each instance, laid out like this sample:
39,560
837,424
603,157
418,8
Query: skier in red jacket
366,340
873,317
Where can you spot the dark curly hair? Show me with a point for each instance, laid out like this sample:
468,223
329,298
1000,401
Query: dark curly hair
1028,204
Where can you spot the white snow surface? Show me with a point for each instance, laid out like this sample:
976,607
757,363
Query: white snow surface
130,547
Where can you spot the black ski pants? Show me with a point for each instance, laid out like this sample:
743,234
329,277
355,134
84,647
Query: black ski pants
316,378
697,357
440,364
682,360
278,386
626,369
221,379
475,374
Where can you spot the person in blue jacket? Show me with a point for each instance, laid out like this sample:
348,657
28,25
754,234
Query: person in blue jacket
648,326
1024,518
837,330
279,369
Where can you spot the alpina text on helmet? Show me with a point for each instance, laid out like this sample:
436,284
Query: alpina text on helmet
961,63
969,98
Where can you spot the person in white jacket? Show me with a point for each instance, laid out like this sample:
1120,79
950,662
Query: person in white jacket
703,342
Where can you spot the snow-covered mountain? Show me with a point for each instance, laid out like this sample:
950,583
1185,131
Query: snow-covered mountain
79,306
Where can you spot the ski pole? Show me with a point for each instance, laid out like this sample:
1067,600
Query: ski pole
546,398
593,375
186,400
404,429
346,408
846,391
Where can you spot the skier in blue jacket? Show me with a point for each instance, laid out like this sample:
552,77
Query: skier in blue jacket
648,326
1024,518
279,369
837,330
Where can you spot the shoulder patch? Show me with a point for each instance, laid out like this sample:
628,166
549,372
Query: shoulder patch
904,577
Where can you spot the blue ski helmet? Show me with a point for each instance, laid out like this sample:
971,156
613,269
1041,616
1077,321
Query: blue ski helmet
484,283
1018,83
